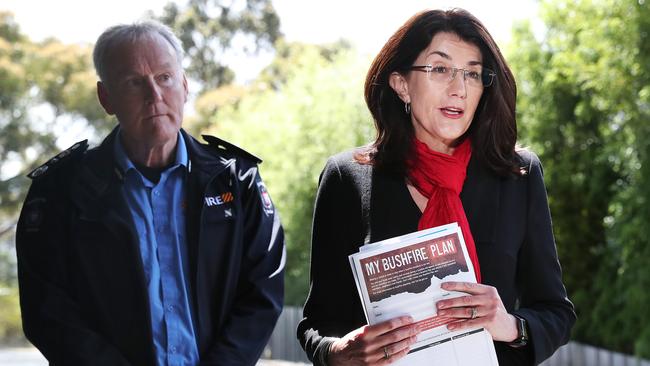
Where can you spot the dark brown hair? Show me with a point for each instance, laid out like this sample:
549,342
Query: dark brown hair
493,130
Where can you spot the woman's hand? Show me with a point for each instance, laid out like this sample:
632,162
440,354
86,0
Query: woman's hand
378,344
482,308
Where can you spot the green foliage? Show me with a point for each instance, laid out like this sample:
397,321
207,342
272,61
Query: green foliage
41,85
47,87
11,330
316,110
584,108
209,28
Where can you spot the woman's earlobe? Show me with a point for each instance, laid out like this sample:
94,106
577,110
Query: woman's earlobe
399,84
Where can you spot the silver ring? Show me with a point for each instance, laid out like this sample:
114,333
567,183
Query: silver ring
474,313
386,354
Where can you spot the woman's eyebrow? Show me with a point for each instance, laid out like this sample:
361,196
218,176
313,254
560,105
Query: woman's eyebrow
440,53
446,56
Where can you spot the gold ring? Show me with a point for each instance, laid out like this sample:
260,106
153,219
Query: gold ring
474,313
386,354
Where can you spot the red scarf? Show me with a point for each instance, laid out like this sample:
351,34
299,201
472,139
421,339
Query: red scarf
440,178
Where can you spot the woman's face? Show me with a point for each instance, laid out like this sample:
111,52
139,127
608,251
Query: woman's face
442,108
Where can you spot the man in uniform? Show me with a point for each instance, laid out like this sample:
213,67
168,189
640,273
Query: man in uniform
152,248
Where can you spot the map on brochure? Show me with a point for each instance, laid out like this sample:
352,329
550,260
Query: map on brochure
402,276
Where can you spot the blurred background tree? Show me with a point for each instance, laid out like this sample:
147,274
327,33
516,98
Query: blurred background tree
47,93
583,106
46,89
211,29
295,117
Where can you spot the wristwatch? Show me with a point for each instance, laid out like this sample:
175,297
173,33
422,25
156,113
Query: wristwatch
522,329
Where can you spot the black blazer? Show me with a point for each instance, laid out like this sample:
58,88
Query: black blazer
511,225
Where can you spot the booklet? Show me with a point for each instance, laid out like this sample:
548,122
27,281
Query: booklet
402,276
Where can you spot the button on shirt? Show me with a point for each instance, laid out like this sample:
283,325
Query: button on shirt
157,212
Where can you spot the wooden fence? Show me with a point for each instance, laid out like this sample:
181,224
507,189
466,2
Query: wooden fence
284,346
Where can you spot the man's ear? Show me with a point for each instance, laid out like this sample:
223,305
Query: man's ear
399,84
104,98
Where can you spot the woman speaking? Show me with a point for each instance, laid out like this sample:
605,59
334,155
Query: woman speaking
443,101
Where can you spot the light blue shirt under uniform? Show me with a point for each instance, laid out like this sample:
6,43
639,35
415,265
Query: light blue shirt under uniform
157,212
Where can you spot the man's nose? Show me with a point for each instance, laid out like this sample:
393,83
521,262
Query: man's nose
152,90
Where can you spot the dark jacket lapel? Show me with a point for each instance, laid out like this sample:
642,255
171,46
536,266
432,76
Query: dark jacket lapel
480,197
96,192
204,165
96,187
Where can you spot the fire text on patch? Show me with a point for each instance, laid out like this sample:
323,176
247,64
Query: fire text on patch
219,200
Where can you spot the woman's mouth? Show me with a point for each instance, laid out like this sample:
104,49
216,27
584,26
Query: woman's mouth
452,112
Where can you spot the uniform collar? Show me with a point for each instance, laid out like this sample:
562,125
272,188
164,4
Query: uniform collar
206,158
100,172
125,164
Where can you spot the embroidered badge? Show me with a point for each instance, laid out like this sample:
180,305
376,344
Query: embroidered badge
265,198
219,200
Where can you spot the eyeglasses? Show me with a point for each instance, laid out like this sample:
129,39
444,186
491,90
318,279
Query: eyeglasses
445,74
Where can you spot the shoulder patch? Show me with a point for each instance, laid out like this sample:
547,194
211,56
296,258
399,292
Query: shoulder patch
227,146
265,198
64,155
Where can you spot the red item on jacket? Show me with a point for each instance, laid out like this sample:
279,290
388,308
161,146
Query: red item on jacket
440,178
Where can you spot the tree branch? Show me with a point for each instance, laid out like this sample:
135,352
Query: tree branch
11,227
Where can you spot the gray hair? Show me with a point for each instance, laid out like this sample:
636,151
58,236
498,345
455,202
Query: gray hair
122,33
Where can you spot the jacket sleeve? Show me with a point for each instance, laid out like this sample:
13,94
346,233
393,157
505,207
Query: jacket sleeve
50,314
260,292
544,302
336,233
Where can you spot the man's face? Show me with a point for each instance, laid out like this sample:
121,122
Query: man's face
146,89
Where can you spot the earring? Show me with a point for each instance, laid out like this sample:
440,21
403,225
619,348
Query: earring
407,107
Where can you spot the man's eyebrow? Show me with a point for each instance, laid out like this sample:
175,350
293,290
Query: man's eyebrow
126,73
446,56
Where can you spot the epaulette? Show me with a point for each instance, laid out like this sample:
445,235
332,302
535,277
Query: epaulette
227,146
53,163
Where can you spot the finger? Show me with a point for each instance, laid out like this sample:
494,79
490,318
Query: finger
463,301
396,347
393,357
398,335
383,354
387,326
465,324
401,345
462,312
468,287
